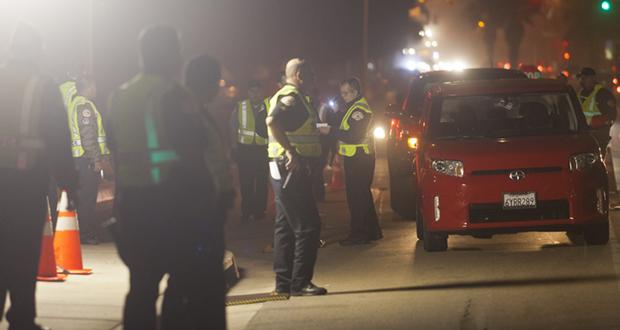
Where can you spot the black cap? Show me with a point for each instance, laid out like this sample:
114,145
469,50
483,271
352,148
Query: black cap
586,72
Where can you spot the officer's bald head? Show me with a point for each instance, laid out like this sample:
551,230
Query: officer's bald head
299,73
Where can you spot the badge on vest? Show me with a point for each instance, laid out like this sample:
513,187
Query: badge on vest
358,115
86,113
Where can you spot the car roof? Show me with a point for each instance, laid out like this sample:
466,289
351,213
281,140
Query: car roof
471,74
507,86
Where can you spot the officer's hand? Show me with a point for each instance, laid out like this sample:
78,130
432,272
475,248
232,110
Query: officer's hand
292,162
324,130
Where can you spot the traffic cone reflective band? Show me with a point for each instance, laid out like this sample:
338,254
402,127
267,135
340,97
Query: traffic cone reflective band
337,179
67,240
47,264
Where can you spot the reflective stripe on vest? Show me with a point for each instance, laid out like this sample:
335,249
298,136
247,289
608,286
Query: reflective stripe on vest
246,134
144,156
590,108
20,141
347,149
68,91
305,139
76,140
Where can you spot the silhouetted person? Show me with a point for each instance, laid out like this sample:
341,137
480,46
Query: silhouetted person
202,78
34,145
164,191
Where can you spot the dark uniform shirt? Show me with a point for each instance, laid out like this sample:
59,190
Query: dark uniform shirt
358,122
89,131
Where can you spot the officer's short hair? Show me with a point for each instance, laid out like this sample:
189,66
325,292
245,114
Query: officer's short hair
160,49
354,82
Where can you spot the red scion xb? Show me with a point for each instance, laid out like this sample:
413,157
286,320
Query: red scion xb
507,156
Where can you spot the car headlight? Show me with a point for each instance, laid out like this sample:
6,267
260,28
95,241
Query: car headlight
379,133
449,167
580,162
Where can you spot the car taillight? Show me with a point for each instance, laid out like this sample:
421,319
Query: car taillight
412,143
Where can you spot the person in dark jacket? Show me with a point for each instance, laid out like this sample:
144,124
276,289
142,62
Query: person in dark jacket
34,146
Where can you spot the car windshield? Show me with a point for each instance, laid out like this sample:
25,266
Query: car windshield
494,116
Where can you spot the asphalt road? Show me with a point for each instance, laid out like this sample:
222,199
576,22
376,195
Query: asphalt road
524,281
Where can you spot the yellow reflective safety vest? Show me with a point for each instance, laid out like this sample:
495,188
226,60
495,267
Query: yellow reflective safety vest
246,133
144,156
349,150
588,103
21,144
69,91
306,139
76,141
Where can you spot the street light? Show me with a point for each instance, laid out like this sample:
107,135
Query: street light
605,5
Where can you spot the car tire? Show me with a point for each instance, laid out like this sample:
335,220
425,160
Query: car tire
419,224
597,234
435,242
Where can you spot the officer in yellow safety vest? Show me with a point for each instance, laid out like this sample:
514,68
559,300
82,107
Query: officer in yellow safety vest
293,145
89,148
250,152
165,192
597,101
356,146
34,146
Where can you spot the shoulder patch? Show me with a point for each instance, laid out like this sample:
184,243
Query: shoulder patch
288,100
358,115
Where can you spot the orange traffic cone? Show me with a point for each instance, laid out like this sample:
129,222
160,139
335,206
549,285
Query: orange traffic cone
47,263
337,179
67,240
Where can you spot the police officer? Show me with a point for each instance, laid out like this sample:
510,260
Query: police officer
164,191
596,100
356,146
293,144
89,148
34,145
250,152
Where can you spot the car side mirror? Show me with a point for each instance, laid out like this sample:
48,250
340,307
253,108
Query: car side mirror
600,121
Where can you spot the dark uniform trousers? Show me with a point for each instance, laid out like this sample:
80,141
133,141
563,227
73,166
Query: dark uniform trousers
162,231
253,179
22,216
87,196
297,229
359,171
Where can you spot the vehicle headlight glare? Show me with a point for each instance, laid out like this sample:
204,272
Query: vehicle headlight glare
449,167
582,161
379,133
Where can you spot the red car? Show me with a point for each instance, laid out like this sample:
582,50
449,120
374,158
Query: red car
506,156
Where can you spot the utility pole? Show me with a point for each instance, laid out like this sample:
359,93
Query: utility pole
365,46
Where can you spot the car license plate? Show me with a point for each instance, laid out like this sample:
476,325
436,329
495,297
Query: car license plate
519,201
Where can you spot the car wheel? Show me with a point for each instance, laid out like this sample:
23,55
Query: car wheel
597,234
401,193
435,242
419,224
